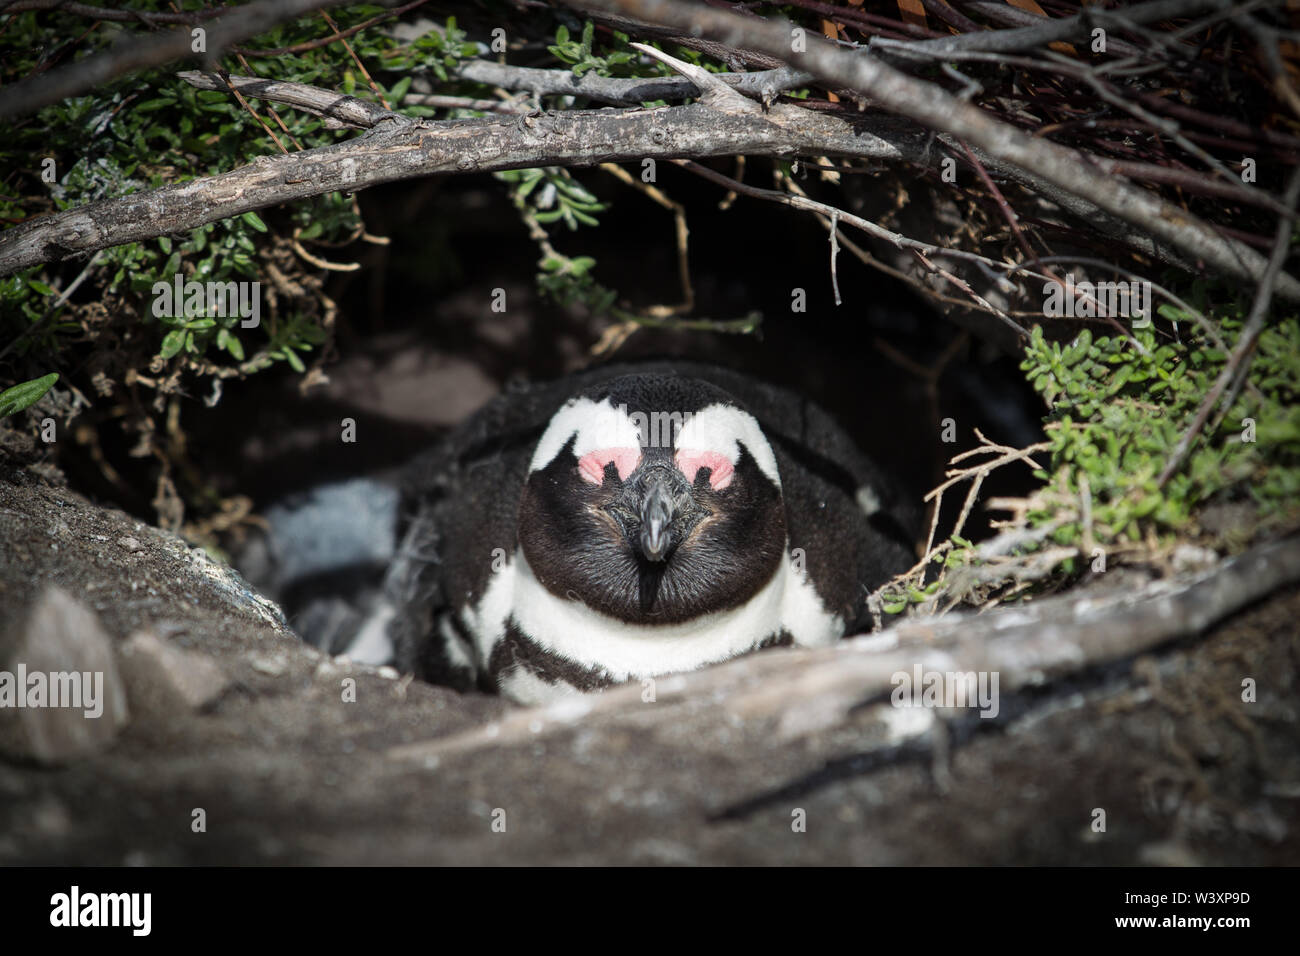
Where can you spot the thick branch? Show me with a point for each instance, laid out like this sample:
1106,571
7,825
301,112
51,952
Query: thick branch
405,149
937,109
624,92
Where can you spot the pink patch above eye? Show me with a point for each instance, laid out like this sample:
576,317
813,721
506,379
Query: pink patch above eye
592,465
721,469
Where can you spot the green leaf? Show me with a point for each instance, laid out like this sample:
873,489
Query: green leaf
172,343
25,394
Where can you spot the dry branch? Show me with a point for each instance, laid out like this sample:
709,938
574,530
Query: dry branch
1077,182
802,691
344,109
762,84
936,109
29,95
1039,34
403,148
1239,361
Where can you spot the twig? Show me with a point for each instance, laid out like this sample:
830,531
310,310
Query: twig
937,109
1244,351
835,253
49,312
871,228
867,259
361,67
682,235
35,92
310,45
1168,127
619,91
348,110
253,113
977,473
1051,31
438,101
1266,39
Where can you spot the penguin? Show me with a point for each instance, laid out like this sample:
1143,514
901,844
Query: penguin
630,522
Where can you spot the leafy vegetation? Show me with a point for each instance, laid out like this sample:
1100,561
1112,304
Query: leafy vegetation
1117,406
25,394
148,130
1118,411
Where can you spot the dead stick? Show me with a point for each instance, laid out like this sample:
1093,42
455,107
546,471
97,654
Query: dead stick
1245,348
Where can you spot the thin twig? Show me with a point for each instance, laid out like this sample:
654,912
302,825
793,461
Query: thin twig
49,312
871,228
1244,350
835,254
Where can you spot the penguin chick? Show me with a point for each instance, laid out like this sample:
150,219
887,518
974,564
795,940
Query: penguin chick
632,522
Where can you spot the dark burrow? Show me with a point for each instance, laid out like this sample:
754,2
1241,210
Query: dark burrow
419,349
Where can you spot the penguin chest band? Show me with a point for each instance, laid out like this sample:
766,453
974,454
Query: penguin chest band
575,633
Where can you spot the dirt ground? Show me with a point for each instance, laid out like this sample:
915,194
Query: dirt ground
230,714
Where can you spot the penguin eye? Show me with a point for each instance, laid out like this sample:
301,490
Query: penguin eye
592,465
720,467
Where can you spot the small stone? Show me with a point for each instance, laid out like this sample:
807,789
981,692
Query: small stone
1262,821
163,680
61,696
1189,557
50,818
271,666
130,543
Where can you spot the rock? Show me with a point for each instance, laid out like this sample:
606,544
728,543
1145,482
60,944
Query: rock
61,696
270,666
163,680
1191,558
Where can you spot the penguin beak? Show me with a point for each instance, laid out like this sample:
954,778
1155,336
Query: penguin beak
655,509
658,509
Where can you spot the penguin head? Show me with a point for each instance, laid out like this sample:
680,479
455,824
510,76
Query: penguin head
653,499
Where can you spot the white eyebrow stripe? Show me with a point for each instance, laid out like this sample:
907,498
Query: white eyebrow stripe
597,426
719,428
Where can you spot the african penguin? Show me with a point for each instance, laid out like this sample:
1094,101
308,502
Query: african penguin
630,522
